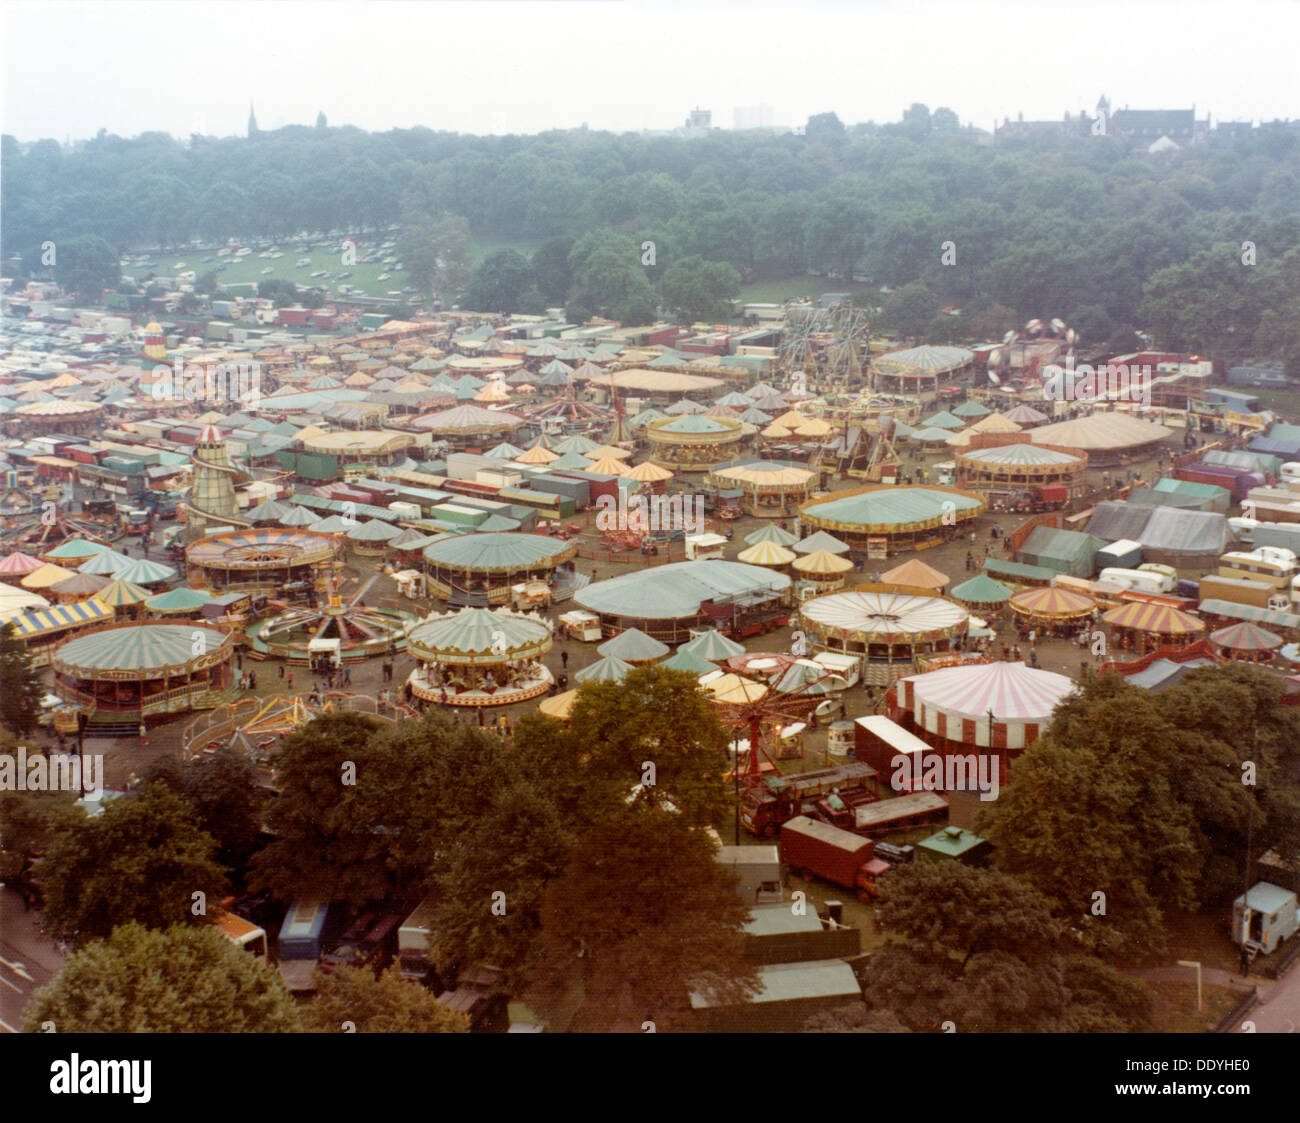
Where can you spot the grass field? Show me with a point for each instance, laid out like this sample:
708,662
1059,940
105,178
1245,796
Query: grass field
364,277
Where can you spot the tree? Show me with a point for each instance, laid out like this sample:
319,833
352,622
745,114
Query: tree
321,123
550,262
981,949
142,859
945,121
177,980
643,914
326,830
824,126
993,322
696,289
855,1018
1209,305
499,282
492,873
20,685
86,266
654,737
386,1004
911,309
917,122
224,792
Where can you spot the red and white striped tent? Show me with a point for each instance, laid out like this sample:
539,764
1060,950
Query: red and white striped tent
954,703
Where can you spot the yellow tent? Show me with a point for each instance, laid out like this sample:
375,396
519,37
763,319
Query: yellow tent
823,562
766,553
538,454
602,451
608,466
560,706
734,690
648,472
46,576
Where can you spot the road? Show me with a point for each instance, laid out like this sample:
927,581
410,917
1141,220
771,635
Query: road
1278,1010
28,959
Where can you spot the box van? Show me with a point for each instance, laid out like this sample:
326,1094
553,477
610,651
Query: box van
1291,471
1136,580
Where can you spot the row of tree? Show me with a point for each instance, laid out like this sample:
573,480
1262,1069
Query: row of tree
1044,226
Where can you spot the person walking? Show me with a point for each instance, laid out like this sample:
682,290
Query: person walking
564,660
288,678
144,738
281,671
347,676
252,680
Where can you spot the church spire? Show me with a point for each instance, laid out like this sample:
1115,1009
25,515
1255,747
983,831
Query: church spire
252,121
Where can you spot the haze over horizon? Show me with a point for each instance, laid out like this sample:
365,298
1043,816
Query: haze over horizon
490,67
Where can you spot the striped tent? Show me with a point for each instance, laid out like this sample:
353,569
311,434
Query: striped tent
1154,619
1051,603
16,565
90,611
767,553
46,576
605,669
142,571
1245,637
106,564
771,533
917,574
634,646
713,645
122,594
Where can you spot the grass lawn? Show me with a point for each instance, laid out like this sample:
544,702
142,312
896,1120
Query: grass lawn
1175,1005
1285,402
363,277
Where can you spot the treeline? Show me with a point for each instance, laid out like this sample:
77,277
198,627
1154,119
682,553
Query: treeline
1044,226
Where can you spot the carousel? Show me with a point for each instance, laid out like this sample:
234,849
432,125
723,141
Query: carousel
693,442
347,631
1141,627
1002,472
982,594
480,657
471,568
292,563
919,372
889,626
135,671
1052,608
888,519
770,489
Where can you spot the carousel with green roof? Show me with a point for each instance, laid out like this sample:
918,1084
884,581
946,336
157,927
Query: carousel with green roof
481,569
1004,471
129,672
480,657
884,520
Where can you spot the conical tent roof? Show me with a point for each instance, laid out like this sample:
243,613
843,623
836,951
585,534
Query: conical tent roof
688,661
182,599
1025,415
649,472
121,594
537,455
268,511
19,564
376,530
77,548
634,646
1240,637
298,516
767,553
822,562
504,451
607,466
1050,601
821,541
713,645
981,589
771,533
604,669
106,564
46,576
333,524
972,409
1157,618
79,584
142,571
572,461
736,690
915,572
480,635
575,443
943,420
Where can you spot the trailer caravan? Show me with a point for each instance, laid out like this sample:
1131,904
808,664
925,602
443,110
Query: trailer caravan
1264,917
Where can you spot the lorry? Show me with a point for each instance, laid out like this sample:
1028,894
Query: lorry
1040,497
1237,590
767,806
1264,917
838,856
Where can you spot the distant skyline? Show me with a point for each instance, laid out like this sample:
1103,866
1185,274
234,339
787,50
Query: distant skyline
72,68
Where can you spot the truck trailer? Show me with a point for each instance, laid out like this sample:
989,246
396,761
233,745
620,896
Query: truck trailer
838,856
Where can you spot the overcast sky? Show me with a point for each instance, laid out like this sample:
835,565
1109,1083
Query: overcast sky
72,68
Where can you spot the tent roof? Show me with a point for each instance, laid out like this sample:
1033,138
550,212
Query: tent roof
1012,691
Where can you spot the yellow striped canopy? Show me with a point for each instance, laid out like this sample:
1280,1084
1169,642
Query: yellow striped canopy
1058,604
1140,616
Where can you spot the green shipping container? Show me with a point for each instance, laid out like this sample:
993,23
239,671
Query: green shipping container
374,319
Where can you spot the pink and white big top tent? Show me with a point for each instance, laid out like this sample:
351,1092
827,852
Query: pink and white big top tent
953,703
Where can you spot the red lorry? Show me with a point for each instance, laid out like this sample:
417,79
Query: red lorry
820,850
